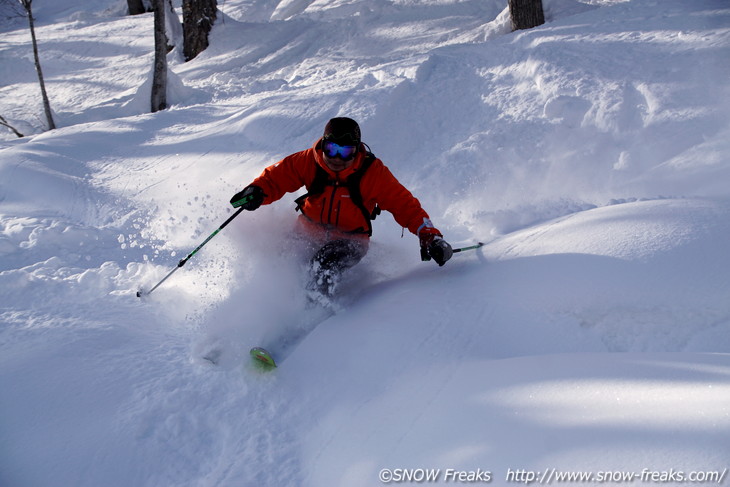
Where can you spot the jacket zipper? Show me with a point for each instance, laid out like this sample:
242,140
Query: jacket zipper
332,202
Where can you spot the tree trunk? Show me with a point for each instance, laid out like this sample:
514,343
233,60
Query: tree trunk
159,75
198,19
136,7
526,14
44,95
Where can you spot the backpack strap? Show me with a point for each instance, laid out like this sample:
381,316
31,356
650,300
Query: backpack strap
353,187
319,183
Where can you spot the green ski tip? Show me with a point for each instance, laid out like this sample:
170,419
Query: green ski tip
261,356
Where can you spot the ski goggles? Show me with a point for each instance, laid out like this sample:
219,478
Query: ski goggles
344,152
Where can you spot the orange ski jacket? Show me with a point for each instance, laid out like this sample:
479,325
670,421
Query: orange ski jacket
333,208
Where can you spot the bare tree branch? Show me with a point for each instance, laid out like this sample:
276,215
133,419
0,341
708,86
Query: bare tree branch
5,123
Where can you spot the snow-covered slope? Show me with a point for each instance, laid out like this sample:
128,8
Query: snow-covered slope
590,334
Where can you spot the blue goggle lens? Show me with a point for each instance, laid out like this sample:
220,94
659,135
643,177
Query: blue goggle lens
345,152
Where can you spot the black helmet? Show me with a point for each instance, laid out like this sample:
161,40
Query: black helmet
342,131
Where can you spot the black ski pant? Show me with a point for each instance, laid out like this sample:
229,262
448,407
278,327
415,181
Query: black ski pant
330,261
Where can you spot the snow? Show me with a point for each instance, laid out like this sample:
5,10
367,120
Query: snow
590,334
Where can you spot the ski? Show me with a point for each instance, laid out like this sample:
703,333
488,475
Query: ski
283,344
262,357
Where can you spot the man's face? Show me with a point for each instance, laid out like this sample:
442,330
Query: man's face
337,164
338,157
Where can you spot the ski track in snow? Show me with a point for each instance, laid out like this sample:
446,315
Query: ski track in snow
591,332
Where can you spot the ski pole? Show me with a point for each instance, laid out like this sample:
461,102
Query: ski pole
182,262
471,247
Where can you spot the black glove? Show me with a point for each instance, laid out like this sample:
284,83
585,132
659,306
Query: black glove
436,248
249,199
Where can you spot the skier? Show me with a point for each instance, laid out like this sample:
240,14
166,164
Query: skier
347,186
